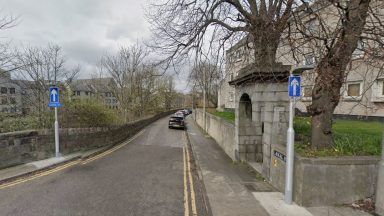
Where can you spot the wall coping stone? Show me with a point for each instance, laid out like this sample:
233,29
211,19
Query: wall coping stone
342,160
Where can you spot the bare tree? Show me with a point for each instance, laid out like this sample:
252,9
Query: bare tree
38,68
184,26
340,35
206,76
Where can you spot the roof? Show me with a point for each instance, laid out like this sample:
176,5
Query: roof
255,74
92,85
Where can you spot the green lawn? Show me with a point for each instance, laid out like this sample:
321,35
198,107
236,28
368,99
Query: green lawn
229,116
350,138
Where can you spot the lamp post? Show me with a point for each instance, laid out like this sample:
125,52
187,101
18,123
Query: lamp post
291,138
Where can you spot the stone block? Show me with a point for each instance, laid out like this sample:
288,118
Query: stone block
242,148
266,150
266,139
251,156
251,148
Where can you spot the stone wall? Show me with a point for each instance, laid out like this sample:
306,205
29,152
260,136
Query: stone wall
327,180
25,146
269,123
219,129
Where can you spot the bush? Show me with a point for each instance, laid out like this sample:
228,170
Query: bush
18,123
87,113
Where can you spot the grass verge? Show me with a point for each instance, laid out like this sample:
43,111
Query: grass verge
351,137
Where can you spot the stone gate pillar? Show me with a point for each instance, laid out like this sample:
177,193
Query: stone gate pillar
263,123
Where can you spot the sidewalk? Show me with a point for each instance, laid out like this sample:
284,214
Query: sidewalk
15,172
236,189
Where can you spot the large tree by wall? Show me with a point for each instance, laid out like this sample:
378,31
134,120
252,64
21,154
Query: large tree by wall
181,27
184,26
334,31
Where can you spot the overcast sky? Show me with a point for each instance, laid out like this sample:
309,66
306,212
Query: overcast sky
86,29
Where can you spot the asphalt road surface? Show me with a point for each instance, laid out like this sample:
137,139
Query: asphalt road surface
151,175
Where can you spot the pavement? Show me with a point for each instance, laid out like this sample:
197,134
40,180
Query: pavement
151,174
159,171
237,189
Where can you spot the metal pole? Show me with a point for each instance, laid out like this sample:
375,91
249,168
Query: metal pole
57,150
290,154
204,100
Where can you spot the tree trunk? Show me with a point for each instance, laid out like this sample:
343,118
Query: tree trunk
265,48
331,74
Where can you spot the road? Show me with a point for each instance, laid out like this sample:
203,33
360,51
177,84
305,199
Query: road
150,175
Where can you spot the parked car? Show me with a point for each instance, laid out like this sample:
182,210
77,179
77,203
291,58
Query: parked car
176,121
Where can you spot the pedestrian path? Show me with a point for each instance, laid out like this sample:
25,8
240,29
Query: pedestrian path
236,189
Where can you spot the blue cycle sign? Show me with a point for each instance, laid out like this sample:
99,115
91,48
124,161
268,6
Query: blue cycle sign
54,97
294,86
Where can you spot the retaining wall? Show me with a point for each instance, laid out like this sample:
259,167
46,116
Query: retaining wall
25,146
326,180
219,129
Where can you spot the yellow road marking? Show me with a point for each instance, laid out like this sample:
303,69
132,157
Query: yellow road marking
186,195
44,173
112,149
193,196
38,175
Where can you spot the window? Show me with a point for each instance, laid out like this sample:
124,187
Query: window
309,59
359,51
12,91
311,26
307,91
3,90
78,93
4,101
353,90
382,89
86,93
231,96
12,100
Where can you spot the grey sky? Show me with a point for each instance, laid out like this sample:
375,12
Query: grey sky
86,29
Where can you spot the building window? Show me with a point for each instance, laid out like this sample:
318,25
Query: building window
308,92
353,90
359,51
78,93
311,26
382,89
4,101
86,93
309,59
3,90
231,96
12,100
12,90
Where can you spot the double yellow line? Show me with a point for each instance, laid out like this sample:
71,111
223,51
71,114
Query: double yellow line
188,178
112,149
67,165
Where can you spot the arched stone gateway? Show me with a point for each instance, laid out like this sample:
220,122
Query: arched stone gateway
261,115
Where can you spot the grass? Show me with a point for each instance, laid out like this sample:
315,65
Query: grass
350,138
229,116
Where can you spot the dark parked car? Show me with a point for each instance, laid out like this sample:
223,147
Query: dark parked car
176,121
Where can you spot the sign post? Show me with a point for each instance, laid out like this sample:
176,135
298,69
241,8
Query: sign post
294,89
54,102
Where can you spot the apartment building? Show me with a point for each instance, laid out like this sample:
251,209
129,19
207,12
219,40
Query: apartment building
96,88
362,93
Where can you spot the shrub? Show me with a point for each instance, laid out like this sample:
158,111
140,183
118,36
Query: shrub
87,113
